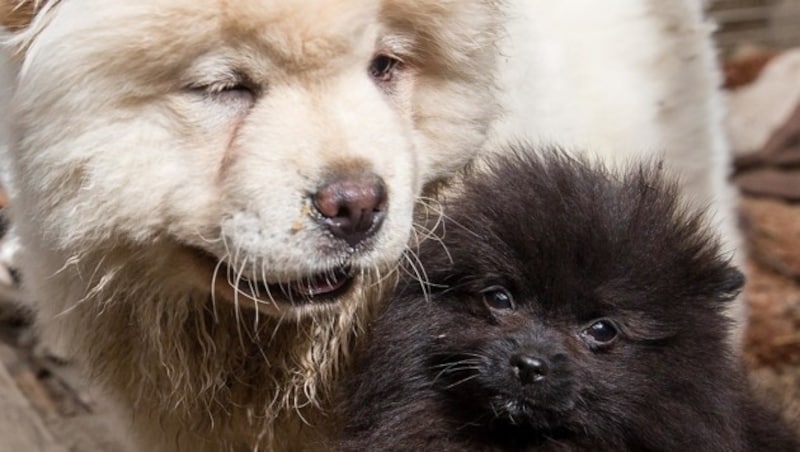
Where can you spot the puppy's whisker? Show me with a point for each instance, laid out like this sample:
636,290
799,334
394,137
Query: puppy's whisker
462,381
445,370
473,369
451,363
460,354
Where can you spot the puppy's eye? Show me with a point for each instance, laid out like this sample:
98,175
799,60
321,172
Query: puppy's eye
383,67
498,298
600,333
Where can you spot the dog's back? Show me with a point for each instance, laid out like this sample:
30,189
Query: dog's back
604,294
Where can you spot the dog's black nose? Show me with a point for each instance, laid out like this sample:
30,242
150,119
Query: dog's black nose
529,369
352,207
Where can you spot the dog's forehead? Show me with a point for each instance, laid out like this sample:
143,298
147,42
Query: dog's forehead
294,35
301,32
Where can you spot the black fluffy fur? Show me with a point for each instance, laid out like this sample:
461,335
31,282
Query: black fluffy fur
571,243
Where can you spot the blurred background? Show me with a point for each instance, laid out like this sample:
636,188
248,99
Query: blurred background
759,47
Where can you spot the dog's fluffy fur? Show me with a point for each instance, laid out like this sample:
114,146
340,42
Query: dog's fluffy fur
161,149
525,264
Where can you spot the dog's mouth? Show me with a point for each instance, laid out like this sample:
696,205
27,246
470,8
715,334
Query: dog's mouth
319,288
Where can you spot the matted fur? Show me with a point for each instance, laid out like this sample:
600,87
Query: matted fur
133,161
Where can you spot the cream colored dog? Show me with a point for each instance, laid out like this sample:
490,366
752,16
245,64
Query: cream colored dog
209,192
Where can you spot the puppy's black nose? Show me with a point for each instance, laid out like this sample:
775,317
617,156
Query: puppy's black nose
529,369
352,207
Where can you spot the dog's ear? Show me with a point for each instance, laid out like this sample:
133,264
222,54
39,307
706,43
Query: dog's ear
16,15
730,285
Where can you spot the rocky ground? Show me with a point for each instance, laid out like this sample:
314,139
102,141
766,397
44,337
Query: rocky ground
770,219
772,345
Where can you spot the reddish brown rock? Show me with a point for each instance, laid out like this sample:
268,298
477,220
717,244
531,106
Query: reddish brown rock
772,339
772,231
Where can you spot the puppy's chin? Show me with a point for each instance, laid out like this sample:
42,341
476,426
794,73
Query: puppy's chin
483,383
530,416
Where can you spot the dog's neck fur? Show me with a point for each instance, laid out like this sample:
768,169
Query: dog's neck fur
249,372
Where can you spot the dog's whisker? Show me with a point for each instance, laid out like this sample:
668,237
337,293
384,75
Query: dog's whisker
419,273
214,276
431,235
218,239
453,221
275,330
455,370
380,279
461,353
257,312
446,370
270,297
462,381
237,310
472,362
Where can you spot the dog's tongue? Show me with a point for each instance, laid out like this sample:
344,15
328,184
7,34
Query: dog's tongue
321,284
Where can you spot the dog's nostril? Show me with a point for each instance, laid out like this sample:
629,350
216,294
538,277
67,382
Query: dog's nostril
352,208
529,369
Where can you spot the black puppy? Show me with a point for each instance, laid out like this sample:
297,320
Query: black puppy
561,307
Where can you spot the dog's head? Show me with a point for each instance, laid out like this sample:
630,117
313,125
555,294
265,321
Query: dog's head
274,147
564,300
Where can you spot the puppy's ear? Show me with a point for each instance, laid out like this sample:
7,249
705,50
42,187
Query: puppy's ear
16,15
730,285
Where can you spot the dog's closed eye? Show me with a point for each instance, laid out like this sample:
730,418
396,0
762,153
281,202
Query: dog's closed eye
230,92
229,88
